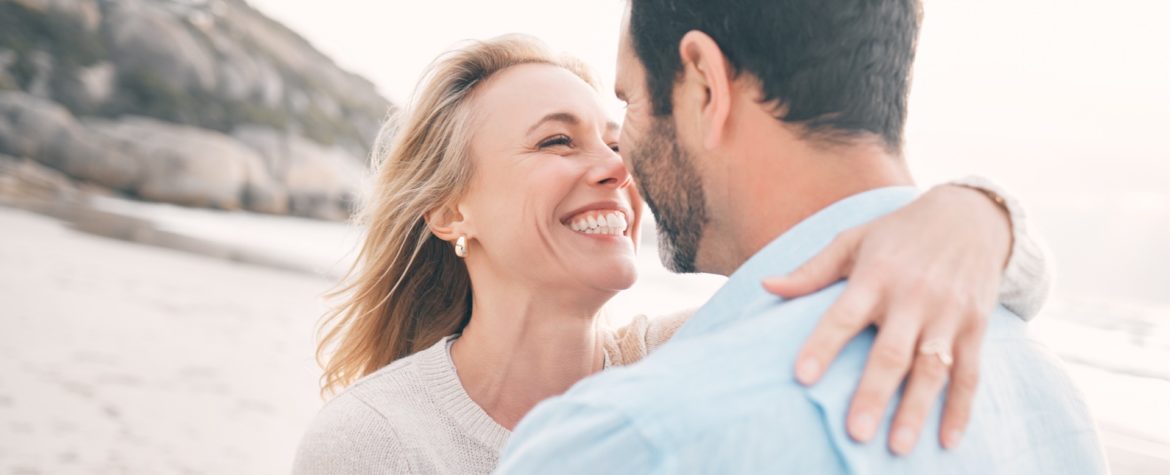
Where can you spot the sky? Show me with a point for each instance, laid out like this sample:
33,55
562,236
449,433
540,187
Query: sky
1064,102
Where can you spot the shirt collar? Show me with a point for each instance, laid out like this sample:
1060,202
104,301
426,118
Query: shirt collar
791,249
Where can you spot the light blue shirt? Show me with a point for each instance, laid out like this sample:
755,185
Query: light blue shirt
721,396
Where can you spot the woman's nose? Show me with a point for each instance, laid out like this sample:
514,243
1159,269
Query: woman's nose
610,171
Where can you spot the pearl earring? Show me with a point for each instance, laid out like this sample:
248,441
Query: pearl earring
461,246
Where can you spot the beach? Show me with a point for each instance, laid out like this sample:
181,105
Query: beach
186,345
123,358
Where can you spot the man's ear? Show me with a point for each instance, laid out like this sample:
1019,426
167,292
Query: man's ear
707,79
446,223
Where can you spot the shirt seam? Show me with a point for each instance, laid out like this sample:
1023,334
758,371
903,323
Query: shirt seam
398,440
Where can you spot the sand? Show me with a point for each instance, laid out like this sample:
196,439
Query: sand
123,358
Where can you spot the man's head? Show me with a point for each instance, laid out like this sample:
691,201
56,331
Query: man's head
700,77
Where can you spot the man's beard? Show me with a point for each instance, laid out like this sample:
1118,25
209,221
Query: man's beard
669,183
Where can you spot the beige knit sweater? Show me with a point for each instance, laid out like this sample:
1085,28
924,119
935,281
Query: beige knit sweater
413,416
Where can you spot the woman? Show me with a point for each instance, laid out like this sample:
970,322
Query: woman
502,220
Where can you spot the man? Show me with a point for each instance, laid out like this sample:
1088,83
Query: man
758,131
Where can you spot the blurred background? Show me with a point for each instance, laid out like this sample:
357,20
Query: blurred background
175,177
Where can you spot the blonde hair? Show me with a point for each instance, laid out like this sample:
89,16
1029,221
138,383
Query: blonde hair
407,289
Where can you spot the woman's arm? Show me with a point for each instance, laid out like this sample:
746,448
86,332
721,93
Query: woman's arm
927,275
1027,278
642,335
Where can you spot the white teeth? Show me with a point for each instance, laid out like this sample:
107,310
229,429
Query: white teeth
613,221
598,222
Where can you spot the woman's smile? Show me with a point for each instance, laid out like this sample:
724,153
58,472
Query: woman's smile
600,220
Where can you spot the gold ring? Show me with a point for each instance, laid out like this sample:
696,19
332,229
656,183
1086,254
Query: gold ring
940,349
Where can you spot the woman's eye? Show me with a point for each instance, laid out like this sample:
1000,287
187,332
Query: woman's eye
559,140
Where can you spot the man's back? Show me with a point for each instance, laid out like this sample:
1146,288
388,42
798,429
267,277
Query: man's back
721,397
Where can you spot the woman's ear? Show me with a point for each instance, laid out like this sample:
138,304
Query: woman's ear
446,223
707,77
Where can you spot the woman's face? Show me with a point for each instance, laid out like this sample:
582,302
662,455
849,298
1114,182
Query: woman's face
551,202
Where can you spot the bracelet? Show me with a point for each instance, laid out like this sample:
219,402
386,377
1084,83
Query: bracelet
987,188
999,200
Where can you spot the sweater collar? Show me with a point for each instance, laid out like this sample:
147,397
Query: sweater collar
440,376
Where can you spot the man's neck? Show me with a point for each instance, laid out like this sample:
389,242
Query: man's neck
767,194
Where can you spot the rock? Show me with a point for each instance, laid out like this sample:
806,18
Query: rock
322,182
97,82
301,125
92,157
243,76
18,112
216,64
42,65
147,40
85,12
156,160
7,80
42,130
193,167
24,179
265,197
271,85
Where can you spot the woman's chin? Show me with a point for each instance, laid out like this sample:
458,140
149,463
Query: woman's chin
617,280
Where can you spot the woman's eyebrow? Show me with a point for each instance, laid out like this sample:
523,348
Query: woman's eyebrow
565,117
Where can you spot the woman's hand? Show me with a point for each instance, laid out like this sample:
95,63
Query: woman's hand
927,276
